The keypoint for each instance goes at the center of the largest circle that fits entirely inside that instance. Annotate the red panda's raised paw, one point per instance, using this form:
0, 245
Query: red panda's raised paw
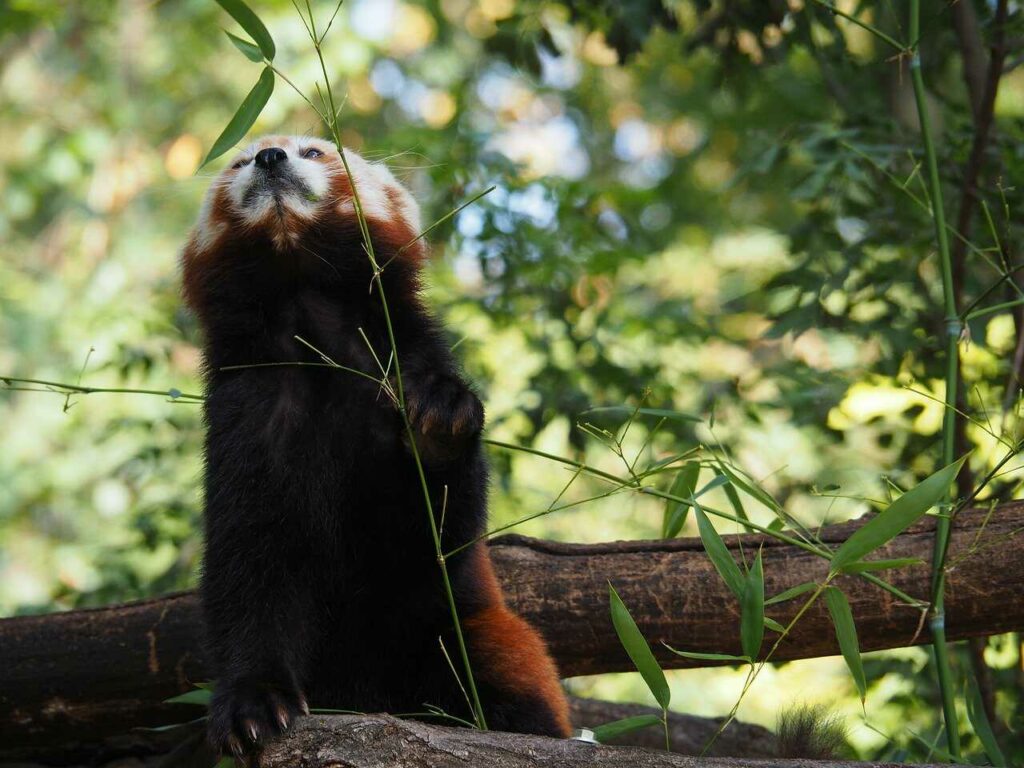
445, 415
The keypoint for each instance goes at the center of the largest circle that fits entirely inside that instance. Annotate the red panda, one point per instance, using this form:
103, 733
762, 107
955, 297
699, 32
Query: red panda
320, 584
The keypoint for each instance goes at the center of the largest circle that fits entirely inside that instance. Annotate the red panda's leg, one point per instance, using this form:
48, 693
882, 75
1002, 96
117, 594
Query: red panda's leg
518, 681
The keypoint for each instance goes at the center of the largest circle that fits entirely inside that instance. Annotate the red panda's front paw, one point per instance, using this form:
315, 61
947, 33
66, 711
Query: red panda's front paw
445, 414
246, 714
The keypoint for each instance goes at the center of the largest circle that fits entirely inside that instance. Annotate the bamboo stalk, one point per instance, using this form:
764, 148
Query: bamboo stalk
953, 325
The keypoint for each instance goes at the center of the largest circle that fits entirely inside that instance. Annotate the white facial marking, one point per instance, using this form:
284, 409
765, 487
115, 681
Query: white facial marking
382, 196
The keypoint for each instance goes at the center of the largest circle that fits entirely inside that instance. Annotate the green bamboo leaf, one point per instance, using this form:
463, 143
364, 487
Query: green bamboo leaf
720, 556
198, 696
608, 731
730, 493
792, 592
638, 650
865, 566
251, 51
675, 511
897, 517
752, 610
246, 115
982, 727
846, 634
706, 656
755, 492
251, 23
773, 625
715, 482
225, 762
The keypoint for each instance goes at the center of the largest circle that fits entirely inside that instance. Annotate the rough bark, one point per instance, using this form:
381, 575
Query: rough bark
379, 740
85, 674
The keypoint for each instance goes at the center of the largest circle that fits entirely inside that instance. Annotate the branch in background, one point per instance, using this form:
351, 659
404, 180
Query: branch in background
968, 35
983, 87
91, 673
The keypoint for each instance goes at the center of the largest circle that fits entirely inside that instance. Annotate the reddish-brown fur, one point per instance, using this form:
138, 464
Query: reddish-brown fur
506, 651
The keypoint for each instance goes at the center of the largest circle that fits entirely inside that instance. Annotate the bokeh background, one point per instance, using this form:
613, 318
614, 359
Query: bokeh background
712, 208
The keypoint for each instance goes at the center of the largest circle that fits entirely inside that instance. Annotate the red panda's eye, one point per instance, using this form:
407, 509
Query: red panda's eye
240, 164
311, 153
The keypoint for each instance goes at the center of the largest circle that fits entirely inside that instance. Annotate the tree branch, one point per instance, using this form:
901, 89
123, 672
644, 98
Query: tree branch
372, 741
90, 673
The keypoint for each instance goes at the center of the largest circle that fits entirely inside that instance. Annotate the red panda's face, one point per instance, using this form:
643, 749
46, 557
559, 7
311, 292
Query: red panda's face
293, 195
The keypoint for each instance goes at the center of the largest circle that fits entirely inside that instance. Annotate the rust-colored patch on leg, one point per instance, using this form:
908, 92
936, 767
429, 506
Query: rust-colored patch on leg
507, 652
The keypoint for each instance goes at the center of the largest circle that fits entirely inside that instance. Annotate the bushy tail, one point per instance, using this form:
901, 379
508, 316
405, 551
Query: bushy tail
810, 732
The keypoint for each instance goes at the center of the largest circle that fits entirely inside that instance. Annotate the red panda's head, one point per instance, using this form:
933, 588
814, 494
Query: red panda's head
285, 204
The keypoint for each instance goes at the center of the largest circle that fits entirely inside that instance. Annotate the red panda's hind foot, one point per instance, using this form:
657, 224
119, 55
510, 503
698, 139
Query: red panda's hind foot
246, 714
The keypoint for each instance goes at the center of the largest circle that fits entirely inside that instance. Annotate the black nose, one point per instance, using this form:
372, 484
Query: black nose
268, 158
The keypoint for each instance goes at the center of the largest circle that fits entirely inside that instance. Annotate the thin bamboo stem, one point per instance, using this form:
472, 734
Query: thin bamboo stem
953, 327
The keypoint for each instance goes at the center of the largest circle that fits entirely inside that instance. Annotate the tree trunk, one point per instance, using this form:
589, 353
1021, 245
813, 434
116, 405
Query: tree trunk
86, 674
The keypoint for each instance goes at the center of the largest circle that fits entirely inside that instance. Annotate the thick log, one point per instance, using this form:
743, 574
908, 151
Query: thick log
380, 740
85, 674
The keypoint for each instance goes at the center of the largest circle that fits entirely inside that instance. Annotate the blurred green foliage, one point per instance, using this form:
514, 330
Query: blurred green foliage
714, 208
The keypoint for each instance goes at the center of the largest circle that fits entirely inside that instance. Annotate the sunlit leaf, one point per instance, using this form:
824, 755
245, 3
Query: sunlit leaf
752, 610
720, 555
251, 23
246, 115
251, 51
846, 634
897, 517
675, 511
608, 731
638, 649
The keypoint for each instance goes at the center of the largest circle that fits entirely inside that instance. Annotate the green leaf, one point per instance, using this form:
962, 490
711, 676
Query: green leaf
251, 23
251, 51
706, 656
792, 592
225, 762
720, 555
752, 610
896, 518
846, 634
246, 115
608, 731
713, 483
638, 650
982, 727
198, 696
773, 625
732, 495
755, 492
675, 511
864, 566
